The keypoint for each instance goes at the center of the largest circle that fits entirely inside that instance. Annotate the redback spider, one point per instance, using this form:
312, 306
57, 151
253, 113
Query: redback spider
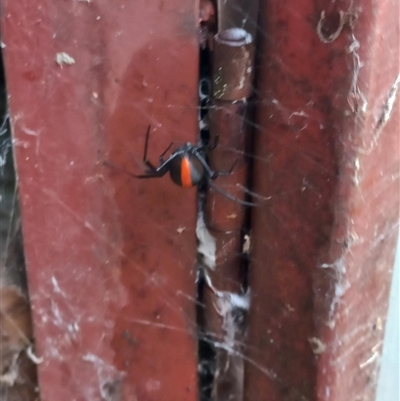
187, 166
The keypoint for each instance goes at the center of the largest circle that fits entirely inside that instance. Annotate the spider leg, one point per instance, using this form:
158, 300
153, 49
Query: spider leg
216, 142
210, 173
163, 153
146, 144
150, 165
165, 165
225, 173
255, 195
229, 196
214, 174
153, 173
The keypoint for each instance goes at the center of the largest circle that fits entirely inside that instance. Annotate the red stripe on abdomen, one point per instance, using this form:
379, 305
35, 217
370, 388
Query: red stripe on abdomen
186, 177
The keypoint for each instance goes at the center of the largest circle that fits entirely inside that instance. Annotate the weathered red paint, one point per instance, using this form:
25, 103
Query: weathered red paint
327, 157
110, 259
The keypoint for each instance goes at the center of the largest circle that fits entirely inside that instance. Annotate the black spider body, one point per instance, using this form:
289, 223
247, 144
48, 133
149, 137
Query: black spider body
187, 166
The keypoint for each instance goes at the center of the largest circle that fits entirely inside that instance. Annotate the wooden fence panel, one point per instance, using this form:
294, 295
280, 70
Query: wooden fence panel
327, 161
110, 259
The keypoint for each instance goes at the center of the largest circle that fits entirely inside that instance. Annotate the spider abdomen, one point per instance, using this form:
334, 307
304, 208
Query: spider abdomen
186, 170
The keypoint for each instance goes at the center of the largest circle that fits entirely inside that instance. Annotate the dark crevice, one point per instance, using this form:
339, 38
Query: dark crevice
16, 333
250, 151
206, 351
209, 357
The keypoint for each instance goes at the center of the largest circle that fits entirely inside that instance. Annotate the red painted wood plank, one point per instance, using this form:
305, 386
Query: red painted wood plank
328, 158
110, 259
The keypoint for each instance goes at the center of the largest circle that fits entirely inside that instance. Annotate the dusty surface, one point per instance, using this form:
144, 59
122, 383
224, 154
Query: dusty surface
112, 260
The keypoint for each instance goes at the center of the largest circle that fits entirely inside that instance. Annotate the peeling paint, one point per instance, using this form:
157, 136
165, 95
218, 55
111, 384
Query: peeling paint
370, 360
356, 98
333, 36
64, 59
109, 378
56, 287
33, 357
341, 283
386, 110
317, 345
